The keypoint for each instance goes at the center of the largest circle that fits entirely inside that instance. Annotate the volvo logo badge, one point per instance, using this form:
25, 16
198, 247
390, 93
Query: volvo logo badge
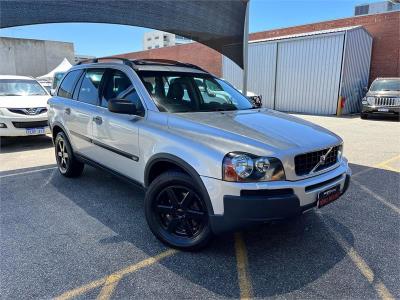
322, 160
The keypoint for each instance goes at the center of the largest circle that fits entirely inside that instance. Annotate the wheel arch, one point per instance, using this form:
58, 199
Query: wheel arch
176, 163
56, 128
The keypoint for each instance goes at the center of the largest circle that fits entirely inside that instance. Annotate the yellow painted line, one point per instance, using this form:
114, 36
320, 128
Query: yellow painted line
381, 165
384, 163
245, 286
376, 196
116, 276
389, 168
109, 287
361, 265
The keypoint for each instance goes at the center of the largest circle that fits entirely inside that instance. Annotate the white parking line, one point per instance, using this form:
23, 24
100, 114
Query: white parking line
27, 172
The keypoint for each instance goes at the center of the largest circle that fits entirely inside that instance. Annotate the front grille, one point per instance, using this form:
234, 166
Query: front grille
387, 101
34, 124
28, 111
305, 163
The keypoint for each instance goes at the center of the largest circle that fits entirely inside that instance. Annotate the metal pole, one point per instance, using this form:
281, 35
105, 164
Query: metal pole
245, 48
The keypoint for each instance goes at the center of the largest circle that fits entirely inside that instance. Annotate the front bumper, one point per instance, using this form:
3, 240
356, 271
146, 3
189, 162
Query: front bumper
237, 205
30, 122
367, 109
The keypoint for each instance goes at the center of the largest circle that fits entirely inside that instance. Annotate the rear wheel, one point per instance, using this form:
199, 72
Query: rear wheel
67, 163
176, 212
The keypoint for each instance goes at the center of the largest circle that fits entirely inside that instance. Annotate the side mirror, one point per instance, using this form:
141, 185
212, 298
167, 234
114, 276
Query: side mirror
122, 106
365, 89
256, 101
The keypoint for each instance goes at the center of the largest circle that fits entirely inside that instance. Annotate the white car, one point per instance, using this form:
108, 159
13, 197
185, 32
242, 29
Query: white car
23, 106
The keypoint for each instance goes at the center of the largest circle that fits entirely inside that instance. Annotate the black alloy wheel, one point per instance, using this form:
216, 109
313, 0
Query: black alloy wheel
176, 212
180, 211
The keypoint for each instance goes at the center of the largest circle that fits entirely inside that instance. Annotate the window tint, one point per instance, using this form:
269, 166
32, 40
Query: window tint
119, 86
186, 92
67, 85
89, 90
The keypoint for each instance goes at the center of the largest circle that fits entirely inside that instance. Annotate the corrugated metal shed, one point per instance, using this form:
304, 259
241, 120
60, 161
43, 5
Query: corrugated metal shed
308, 72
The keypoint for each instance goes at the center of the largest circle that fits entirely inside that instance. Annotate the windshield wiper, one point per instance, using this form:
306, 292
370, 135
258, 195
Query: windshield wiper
9, 95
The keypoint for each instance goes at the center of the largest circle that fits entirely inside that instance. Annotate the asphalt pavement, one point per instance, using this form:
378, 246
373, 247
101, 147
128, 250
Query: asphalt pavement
87, 237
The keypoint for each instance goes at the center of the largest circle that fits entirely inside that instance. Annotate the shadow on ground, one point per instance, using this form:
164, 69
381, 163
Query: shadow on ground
25, 143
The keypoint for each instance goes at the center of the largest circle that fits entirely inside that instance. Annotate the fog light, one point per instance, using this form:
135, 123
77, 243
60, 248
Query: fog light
365, 102
2, 125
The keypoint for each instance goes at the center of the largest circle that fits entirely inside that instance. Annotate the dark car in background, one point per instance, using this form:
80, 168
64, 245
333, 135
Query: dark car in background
383, 97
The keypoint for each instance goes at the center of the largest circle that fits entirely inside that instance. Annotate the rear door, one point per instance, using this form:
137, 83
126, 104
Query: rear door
116, 136
82, 111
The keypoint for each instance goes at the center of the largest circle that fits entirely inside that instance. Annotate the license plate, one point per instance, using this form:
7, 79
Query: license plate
328, 196
34, 131
383, 109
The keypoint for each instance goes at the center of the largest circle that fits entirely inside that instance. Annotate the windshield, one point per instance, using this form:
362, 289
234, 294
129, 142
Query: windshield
21, 87
385, 85
191, 92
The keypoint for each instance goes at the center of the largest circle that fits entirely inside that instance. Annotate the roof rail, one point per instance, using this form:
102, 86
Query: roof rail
147, 61
165, 62
125, 61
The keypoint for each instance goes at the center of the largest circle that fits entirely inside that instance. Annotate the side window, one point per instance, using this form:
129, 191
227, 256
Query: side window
67, 85
89, 89
119, 86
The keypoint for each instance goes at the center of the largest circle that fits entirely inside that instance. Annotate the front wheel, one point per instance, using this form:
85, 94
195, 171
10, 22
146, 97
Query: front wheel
364, 116
176, 212
67, 163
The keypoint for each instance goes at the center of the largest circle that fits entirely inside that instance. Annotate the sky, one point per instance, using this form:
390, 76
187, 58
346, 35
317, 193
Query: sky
106, 39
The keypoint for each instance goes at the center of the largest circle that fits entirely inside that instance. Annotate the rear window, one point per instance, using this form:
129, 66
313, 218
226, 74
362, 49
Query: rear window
68, 84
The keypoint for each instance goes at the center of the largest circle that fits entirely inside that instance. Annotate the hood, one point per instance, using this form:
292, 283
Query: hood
262, 129
383, 94
23, 101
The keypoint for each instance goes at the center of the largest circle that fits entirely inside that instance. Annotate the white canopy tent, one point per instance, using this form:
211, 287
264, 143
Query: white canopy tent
64, 66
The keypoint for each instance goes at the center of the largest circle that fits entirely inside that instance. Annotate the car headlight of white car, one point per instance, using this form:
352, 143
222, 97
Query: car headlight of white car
245, 167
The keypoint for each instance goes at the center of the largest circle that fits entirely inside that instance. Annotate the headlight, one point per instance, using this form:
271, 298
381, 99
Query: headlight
340, 153
371, 100
246, 167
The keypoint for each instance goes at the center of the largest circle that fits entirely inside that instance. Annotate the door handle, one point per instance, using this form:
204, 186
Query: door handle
67, 111
98, 120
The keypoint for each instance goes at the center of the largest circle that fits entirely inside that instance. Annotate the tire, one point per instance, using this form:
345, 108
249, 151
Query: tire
67, 163
176, 211
364, 116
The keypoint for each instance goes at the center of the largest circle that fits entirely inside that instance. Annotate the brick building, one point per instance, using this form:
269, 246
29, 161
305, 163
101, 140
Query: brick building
384, 28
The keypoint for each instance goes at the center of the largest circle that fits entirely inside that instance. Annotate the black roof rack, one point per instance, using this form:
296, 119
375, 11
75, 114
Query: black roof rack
125, 61
167, 62
148, 61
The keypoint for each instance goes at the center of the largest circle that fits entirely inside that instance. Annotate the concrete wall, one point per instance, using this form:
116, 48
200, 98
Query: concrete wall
32, 57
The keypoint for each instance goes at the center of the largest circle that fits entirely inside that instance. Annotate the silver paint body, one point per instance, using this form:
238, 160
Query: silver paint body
201, 139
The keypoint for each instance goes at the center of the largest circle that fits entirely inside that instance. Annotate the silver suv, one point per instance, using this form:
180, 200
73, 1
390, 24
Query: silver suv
208, 160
